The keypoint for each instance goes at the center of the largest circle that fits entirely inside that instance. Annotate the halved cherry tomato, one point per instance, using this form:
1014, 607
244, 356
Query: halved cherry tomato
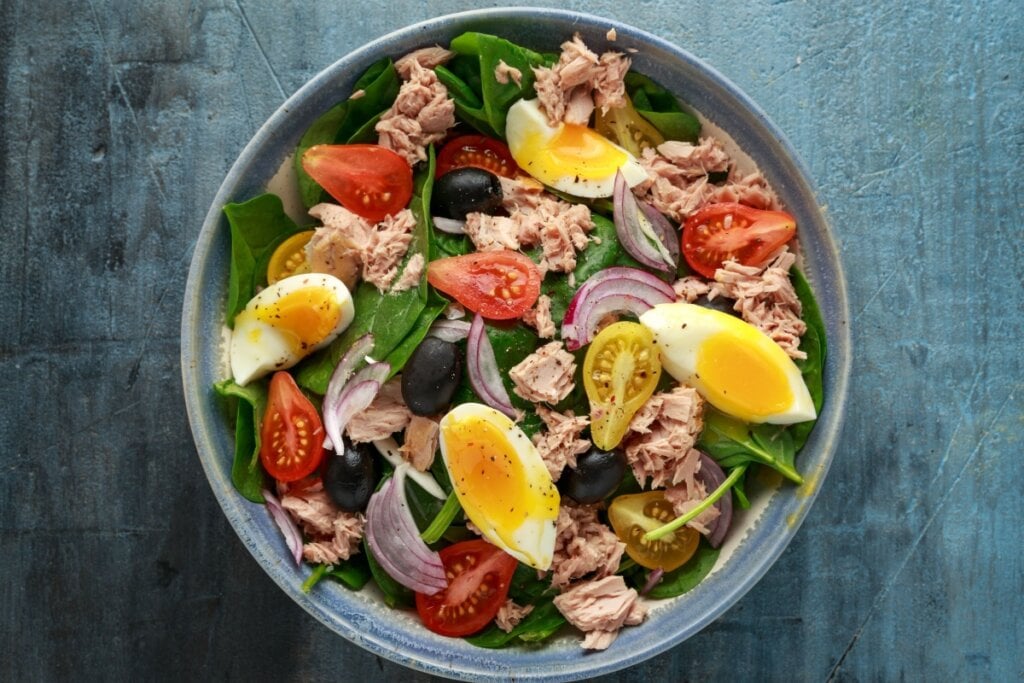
292, 435
477, 151
720, 232
620, 371
479, 575
289, 258
499, 285
634, 515
625, 126
368, 180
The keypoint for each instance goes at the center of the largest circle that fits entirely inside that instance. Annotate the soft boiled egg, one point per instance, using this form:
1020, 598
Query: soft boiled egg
736, 367
286, 322
567, 157
501, 482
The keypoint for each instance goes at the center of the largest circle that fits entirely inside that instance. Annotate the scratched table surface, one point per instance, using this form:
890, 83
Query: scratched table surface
120, 120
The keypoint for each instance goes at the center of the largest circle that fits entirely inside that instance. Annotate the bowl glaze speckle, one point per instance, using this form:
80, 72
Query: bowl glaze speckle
762, 534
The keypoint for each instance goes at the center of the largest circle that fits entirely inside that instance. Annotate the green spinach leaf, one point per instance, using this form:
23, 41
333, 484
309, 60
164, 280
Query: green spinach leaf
732, 442
246, 472
538, 625
814, 345
596, 257
679, 581
353, 573
661, 108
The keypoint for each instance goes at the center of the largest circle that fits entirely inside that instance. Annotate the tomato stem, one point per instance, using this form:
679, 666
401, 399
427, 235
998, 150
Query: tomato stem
678, 522
451, 507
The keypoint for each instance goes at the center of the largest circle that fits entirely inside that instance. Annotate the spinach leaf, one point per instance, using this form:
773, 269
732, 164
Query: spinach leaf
679, 581
423, 506
257, 227
596, 257
732, 442
353, 573
347, 121
468, 106
661, 108
525, 588
401, 353
538, 625
511, 344
390, 317
246, 472
814, 345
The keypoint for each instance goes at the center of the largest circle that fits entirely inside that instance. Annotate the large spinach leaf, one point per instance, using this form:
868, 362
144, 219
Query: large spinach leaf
257, 226
353, 573
538, 625
814, 345
349, 121
679, 581
732, 442
661, 108
246, 473
401, 353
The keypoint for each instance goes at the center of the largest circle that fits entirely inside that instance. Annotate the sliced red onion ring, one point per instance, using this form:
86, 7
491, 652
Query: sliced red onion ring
395, 541
355, 396
653, 580
668, 235
450, 225
288, 527
712, 476
388, 448
615, 290
484, 376
638, 236
449, 330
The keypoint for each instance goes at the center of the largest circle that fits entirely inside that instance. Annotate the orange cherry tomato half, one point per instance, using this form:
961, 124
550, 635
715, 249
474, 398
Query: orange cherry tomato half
369, 180
499, 285
289, 258
479, 575
634, 515
478, 151
292, 435
717, 233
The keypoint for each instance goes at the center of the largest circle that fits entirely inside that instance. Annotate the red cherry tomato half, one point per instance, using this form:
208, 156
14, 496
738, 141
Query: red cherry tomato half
292, 435
369, 180
477, 151
479, 575
717, 233
499, 285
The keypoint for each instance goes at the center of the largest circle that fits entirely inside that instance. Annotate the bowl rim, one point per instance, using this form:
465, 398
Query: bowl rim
440, 661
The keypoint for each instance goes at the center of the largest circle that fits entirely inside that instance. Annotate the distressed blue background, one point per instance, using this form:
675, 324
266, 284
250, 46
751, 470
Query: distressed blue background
119, 121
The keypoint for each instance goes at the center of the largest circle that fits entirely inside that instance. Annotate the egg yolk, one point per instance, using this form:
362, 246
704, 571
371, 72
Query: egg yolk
492, 484
306, 316
575, 151
741, 379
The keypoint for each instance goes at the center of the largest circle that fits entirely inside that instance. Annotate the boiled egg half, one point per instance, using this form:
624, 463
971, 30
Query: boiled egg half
567, 157
736, 367
286, 322
501, 482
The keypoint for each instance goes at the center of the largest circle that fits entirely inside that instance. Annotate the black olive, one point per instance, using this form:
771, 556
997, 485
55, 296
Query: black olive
597, 474
351, 476
466, 190
431, 376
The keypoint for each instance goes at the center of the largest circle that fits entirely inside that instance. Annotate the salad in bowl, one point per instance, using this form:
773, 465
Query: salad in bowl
517, 344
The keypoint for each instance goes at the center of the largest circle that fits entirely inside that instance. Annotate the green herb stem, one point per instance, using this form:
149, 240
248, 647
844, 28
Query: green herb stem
704, 505
314, 578
444, 519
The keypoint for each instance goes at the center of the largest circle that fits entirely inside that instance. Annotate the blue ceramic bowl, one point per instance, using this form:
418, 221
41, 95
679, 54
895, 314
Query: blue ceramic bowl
760, 535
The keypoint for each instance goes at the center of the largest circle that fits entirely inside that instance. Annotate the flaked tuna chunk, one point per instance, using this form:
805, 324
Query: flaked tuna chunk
600, 608
684, 497
389, 241
692, 161
420, 444
579, 81
522, 192
751, 189
545, 375
421, 114
539, 317
563, 234
411, 275
427, 58
583, 546
560, 442
610, 81
765, 298
503, 73
659, 443
690, 288
333, 535
510, 614
386, 415
492, 233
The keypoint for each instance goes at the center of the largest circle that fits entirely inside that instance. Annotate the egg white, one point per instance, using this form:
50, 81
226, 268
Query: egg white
680, 330
528, 132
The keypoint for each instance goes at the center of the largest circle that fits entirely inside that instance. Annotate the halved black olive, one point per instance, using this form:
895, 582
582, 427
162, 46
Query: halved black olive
431, 376
351, 476
596, 475
466, 190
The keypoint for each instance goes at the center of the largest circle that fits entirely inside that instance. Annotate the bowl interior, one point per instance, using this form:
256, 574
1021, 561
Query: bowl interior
761, 534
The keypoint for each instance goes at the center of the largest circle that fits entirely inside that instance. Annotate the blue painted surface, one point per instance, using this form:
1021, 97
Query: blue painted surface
121, 120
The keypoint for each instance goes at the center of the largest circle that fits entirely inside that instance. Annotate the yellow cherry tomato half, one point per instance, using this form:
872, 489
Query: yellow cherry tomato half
289, 258
634, 515
628, 128
620, 371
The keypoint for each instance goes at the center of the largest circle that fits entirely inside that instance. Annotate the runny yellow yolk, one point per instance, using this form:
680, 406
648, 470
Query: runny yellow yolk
306, 316
493, 486
574, 151
741, 379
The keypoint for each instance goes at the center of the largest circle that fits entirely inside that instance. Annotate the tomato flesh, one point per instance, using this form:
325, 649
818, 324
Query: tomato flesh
500, 285
620, 372
369, 180
625, 126
292, 435
289, 258
478, 151
727, 231
479, 575
634, 515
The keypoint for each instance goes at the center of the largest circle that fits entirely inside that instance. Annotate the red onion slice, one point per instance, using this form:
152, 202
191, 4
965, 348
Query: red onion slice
653, 580
450, 225
638, 236
343, 370
712, 476
395, 541
615, 290
484, 376
356, 395
288, 527
449, 330
668, 235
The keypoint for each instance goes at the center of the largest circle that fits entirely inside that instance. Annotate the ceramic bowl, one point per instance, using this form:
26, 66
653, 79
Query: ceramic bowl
759, 535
